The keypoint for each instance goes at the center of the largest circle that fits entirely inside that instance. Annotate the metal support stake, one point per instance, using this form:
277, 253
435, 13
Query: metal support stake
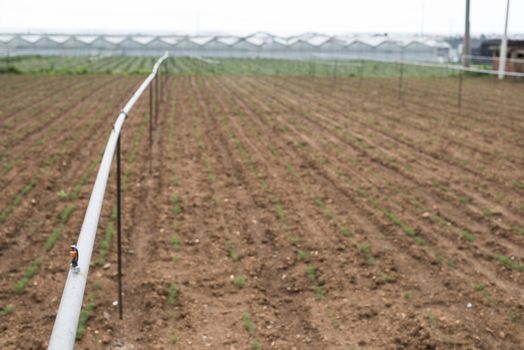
150, 128
400, 78
461, 77
361, 72
157, 95
119, 227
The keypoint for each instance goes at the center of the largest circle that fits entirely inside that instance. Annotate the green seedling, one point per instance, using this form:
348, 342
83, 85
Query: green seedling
86, 312
388, 279
231, 250
249, 326
28, 274
302, 255
408, 295
66, 213
106, 241
175, 242
6, 310
346, 231
468, 236
172, 294
62, 195
176, 204
311, 273
240, 281
508, 263
362, 192
55, 235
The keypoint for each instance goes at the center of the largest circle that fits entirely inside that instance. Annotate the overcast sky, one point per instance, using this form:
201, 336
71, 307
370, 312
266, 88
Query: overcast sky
241, 17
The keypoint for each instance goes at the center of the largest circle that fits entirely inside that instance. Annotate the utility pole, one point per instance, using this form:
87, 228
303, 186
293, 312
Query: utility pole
504, 47
466, 49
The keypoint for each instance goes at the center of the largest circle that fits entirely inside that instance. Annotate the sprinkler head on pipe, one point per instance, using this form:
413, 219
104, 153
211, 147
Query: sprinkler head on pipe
74, 258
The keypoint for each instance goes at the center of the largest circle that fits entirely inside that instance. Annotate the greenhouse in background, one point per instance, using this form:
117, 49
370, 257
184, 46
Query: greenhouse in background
262, 45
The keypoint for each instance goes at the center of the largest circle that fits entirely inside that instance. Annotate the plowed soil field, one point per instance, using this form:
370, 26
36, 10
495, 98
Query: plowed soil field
270, 212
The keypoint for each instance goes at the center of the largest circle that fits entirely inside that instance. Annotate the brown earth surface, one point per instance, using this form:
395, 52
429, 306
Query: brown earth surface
270, 212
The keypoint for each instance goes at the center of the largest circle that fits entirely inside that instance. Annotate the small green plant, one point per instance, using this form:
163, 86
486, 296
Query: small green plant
508, 263
240, 281
6, 310
468, 236
254, 344
319, 293
302, 255
408, 295
86, 312
176, 204
311, 273
172, 294
362, 192
364, 250
479, 287
392, 217
175, 242
55, 235
66, 213
106, 241
62, 195
464, 200
231, 250
346, 232
28, 274
388, 278
431, 318
249, 326
294, 240
173, 339
279, 209
514, 317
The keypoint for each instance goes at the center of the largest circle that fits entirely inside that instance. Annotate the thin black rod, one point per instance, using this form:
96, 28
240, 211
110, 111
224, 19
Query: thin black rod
119, 228
150, 127
400, 79
461, 77
157, 95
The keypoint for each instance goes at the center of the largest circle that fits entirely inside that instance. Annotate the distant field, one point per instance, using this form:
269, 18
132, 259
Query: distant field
214, 66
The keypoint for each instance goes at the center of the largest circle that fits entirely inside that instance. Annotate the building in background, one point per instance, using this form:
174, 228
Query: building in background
515, 55
262, 45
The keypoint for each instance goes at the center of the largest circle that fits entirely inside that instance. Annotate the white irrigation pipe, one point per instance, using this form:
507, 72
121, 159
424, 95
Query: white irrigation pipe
66, 322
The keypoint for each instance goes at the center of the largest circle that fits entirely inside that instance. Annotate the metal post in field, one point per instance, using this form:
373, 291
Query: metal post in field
466, 52
504, 47
400, 79
461, 78
361, 72
157, 95
119, 227
151, 127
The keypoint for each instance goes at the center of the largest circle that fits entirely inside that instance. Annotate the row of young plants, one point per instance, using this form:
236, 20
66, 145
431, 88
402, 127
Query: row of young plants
63, 219
364, 249
279, 210
395, 220
414, 122
408, 231
51, 133
239, 279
